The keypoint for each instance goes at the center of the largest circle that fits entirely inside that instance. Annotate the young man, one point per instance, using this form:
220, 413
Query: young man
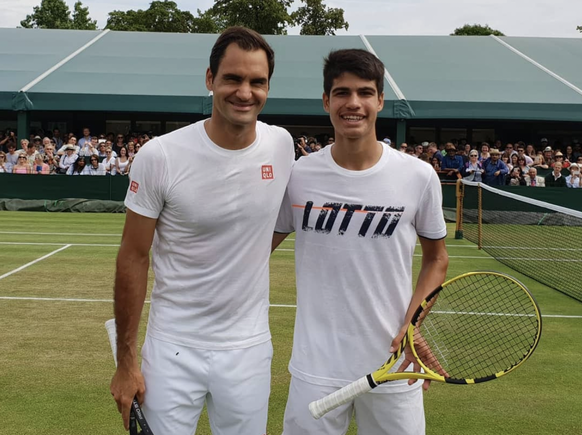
207, 195
357, 207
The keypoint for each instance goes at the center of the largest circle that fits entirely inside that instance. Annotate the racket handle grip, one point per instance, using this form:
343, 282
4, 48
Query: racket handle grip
344, 395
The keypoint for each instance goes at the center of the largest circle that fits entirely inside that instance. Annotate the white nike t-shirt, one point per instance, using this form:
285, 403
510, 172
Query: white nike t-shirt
216, 210
355, 237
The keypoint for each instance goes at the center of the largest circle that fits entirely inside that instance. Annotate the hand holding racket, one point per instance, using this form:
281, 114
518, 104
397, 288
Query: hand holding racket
474, 328
135, 414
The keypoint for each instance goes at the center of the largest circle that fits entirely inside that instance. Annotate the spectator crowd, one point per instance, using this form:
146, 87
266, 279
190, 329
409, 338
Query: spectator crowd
104, 154
518, 164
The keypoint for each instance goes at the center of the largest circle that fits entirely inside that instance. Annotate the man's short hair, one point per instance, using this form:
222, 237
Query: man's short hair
356, 61
247, 40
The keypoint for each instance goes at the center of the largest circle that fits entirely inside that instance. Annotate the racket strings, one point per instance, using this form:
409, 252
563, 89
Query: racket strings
476, 326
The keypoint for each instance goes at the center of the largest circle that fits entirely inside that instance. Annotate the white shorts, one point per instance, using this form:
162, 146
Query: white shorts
376, 414
235, 384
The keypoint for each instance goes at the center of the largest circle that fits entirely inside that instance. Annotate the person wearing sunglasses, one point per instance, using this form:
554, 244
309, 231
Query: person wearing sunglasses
22, 167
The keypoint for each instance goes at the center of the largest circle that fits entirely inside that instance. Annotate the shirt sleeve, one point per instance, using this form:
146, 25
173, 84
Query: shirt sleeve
429, 220
285, 219
148, 181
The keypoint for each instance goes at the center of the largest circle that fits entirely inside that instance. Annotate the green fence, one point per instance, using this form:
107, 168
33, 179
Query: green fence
60, 187
54, 187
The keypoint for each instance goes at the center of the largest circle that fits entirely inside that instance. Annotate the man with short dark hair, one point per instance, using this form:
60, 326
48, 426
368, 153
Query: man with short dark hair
86, 138
357, 208
207, 196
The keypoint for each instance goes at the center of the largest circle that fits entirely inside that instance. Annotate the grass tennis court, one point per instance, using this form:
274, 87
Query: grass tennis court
56, 364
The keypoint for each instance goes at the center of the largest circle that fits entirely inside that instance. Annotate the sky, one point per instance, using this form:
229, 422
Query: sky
556, 18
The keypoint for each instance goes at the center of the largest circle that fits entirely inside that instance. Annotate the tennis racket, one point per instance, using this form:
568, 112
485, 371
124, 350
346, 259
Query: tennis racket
474, 328
135, 414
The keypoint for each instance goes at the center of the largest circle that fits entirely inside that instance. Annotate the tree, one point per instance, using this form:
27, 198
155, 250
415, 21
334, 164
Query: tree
579, 28
81, 19
267, 17
162, 16
317, 19
476, 30
55, 14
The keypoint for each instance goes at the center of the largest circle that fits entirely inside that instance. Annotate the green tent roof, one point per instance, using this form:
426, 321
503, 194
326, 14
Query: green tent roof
426, 76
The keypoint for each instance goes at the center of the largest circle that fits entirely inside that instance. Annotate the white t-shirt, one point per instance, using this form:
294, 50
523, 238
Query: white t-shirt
216, 212
355, 237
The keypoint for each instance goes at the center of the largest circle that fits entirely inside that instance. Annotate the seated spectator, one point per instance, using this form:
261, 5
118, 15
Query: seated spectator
433, 151
130, 149
403, 147
484, 155
68, 159
109, 162
530, 151
72, 141
574, 180
569, 154
22, 167
521, 153
410, 151
40, 167
495, 169
77, 167
509, 160
473, 169
451, 162
549, 156
515, 177
89, 147
86, 137
559, 158
119, 144
122, 162
11, 156
533, 180
555, 178
540, 161
436, 163
94, 168
3, 169
419, 149
137, 147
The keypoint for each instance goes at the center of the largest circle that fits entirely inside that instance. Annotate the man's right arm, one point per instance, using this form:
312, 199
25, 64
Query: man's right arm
129, 296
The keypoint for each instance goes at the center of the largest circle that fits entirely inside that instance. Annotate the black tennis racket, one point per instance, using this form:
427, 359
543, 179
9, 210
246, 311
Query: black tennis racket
474, 328
136, 414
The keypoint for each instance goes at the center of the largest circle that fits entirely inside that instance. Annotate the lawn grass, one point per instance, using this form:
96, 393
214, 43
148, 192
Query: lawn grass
56, 364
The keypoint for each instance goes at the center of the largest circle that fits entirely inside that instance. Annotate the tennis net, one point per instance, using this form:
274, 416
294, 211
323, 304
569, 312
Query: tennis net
538, 239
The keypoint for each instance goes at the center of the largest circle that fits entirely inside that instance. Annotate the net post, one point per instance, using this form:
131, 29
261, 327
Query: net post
460, 194
479, 216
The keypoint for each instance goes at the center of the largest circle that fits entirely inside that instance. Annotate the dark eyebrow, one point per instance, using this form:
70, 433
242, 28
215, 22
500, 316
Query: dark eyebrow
232, 77
363, 89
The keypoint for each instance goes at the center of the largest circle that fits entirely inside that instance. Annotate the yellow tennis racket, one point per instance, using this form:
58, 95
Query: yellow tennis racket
474, 328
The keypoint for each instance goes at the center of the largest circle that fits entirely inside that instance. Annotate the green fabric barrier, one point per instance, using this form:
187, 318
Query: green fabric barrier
53, 187
66, 205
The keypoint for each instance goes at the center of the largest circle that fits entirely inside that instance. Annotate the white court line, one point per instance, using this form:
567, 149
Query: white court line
33, 262
18, 298
58, 234
58, 244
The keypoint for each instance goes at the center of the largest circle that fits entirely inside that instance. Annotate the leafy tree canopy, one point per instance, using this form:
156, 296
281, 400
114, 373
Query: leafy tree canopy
476, 30
55, 14
317, 19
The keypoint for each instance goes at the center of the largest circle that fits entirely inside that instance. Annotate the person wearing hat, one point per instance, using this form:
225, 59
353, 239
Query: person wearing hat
549, 156
559, 158
495, 169
68, 159
555, 178
574, 180
451, 162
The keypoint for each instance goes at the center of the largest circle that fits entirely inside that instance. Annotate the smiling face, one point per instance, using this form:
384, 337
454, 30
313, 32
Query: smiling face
353, 105
240, 86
